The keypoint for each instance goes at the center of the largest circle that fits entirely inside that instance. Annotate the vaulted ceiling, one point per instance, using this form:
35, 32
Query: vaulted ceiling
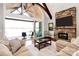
36, 9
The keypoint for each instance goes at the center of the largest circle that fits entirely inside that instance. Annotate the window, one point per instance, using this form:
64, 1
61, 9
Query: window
15, 28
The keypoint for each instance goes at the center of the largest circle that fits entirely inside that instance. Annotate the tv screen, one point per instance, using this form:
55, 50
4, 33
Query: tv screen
65, 21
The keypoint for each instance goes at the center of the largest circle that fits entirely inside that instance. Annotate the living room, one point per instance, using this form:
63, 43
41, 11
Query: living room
57, 24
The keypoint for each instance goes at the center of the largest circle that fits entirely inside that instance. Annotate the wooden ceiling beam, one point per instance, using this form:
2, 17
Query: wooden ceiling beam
46, 9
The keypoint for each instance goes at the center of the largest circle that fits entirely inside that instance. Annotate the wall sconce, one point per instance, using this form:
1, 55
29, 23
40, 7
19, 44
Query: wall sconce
50, 26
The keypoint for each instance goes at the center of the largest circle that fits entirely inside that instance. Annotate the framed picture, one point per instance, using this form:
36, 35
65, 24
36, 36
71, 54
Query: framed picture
50, 26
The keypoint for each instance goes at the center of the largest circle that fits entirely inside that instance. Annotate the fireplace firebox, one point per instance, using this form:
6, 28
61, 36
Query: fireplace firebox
62, 35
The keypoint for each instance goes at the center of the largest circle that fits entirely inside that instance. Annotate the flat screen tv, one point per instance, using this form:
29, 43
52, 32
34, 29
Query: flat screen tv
65, 21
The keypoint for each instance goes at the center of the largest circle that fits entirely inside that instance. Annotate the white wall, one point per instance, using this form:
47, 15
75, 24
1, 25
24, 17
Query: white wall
1, 19
56, 7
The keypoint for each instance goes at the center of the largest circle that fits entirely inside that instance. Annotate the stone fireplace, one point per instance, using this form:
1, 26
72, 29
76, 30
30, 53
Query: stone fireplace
66, 32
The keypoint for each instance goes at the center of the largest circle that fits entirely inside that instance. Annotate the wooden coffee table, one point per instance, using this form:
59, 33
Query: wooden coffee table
42, 42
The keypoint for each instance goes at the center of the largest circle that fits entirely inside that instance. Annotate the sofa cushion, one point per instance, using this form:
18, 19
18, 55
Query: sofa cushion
23, 41
61, 53
60, 44
76, 53
73, 46
15, 45
4, 51
5, 42
26, 53
23, 51
69, 50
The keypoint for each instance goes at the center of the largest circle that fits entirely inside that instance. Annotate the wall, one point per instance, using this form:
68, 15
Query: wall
1, 20
56, 7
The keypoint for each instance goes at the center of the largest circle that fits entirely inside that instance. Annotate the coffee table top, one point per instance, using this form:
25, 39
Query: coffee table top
40, 40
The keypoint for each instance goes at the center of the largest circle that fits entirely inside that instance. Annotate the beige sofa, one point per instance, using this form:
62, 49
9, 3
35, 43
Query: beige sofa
68, 48
14, 47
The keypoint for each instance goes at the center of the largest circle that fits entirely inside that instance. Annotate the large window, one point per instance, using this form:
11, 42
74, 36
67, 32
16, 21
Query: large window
15, 28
